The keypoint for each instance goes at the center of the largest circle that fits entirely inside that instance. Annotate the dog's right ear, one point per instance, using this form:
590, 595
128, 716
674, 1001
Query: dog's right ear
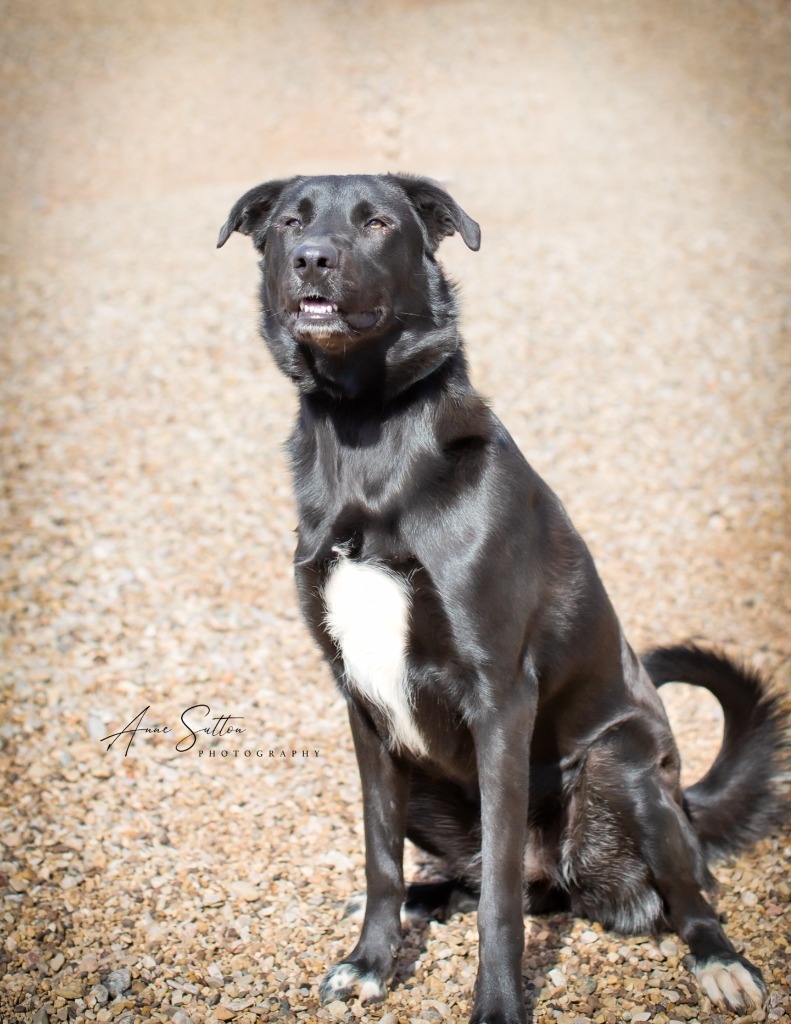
250, 212
441, 214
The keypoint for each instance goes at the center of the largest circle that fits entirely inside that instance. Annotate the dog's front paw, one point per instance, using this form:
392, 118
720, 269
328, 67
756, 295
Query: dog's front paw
345, 980
733, 984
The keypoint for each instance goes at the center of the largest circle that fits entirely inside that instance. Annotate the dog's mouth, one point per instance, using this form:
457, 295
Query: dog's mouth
316, 316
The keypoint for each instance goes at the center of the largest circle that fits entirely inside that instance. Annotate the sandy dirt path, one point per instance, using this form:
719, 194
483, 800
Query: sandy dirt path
627, 316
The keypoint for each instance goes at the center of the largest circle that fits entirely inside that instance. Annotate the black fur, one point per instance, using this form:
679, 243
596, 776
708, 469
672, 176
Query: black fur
550, 776
735, 801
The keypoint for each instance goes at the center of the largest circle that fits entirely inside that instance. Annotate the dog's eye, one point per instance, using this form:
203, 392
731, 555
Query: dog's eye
375, 222
292, 222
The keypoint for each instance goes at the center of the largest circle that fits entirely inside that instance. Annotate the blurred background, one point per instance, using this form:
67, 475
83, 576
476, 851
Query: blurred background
626, 316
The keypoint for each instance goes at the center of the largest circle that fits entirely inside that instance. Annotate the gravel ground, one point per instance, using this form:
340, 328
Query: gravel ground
629, 166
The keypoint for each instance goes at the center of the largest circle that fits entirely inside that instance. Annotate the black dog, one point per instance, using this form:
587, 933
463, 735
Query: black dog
500, 719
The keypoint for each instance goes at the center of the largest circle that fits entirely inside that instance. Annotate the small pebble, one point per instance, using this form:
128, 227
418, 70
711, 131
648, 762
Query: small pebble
100, 993
117, 982
72, 990
556, 978
95, 726
246, 891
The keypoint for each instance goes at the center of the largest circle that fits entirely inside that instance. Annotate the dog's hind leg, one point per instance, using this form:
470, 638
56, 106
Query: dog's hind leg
367, 969
666, 842
444, 819
669, 847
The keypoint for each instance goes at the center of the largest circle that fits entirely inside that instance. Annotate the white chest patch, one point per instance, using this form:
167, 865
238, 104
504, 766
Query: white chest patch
368, 618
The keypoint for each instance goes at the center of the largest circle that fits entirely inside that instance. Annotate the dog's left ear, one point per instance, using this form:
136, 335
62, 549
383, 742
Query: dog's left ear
251, 211
441, 214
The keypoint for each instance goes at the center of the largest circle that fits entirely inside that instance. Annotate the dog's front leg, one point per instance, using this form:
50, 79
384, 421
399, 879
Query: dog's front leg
385, 785
502, 743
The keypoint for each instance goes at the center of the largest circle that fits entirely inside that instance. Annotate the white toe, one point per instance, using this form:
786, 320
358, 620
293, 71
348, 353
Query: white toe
729, 984
345, 980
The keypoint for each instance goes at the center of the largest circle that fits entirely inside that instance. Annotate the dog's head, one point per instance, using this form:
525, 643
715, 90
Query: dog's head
348, 266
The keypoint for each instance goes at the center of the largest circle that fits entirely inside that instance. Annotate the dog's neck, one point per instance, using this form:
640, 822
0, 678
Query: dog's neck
381, 371
377, 371
381, 392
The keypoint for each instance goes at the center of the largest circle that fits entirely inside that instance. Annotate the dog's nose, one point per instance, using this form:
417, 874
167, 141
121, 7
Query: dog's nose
314, 260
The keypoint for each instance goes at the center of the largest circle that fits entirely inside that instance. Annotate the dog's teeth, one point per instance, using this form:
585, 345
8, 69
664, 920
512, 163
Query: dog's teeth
317, 307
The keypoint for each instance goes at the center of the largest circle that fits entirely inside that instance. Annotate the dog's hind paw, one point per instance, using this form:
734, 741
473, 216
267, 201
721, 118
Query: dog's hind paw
733, 984
345, 980
355, 911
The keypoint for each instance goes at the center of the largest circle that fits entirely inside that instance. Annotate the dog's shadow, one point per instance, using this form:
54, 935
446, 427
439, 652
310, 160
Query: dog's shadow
546, 934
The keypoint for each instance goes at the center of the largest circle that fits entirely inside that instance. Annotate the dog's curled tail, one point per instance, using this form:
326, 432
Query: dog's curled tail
735, 801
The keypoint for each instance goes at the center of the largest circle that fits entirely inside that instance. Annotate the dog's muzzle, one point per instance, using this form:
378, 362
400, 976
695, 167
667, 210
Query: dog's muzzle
317, 317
